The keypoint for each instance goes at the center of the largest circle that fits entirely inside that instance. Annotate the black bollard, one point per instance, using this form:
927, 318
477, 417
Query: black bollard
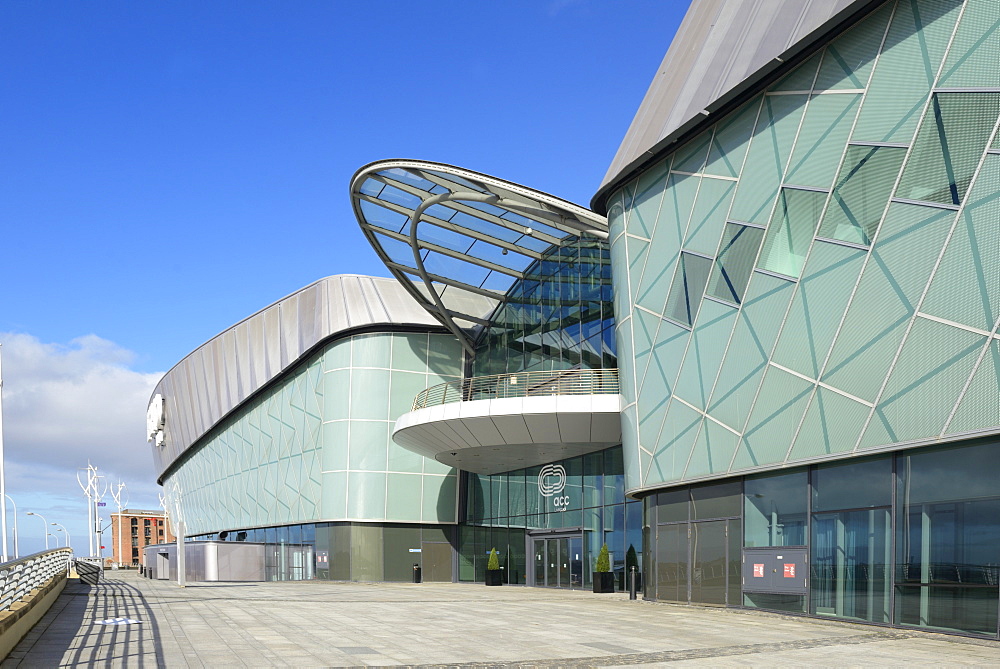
631, 587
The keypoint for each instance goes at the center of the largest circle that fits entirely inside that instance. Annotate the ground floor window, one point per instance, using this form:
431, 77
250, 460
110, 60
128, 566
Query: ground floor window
906, 539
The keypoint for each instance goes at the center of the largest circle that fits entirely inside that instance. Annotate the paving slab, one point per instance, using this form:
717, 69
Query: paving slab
321, 623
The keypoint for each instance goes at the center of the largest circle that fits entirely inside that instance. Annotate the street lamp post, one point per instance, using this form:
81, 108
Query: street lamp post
17, 552
64, 530
44, 522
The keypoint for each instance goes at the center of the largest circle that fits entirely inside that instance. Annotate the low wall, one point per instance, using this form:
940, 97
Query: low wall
16, 622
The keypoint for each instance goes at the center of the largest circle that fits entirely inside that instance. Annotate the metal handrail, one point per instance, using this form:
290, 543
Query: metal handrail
18, 578
521, 384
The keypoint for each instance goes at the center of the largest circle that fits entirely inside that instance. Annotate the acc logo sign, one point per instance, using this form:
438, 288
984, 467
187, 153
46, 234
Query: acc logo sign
552, 481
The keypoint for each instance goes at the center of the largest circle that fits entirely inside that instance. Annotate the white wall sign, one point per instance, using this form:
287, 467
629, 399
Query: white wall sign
552, 482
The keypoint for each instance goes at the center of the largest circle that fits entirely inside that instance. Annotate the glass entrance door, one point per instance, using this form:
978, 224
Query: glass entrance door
559, 561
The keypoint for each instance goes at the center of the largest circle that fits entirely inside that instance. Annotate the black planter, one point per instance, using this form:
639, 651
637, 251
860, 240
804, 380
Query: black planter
494, 577
604, 581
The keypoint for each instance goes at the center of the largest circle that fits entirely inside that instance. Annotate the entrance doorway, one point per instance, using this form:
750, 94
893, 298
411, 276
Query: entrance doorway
558, 561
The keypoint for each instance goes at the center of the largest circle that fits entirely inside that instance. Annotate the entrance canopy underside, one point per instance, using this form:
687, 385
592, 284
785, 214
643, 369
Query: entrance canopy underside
458, 240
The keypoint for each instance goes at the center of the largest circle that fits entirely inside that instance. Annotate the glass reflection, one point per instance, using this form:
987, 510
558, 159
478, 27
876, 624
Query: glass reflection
775, 510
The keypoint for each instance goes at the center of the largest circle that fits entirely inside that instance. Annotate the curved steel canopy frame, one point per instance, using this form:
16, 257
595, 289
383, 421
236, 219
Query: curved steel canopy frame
471, 216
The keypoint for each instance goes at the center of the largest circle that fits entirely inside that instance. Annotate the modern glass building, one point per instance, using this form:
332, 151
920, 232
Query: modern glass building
769, 378
805, 261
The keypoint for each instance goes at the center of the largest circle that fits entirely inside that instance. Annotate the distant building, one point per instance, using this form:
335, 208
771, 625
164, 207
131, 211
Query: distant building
134, 528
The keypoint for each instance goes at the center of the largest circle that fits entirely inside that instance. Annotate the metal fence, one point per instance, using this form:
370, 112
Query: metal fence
19, 577
521, 384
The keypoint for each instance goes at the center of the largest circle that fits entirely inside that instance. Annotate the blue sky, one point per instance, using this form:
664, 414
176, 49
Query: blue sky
170, 168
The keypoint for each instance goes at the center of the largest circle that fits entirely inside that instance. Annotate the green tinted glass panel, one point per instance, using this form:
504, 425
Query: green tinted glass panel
735, 262
801, 78
687, 288
648, 196
780, 404
712, 452
678, 201
821, 140
658, 379
691, 157
769, 151
832, 425
818, 307
709, 215
732, 136
680, 429
966, 286
847, 61
746, 357
980, 406
926, 380
955, 131
886, 299
704, 354
791, 231
861, 193
906, 68
975, 51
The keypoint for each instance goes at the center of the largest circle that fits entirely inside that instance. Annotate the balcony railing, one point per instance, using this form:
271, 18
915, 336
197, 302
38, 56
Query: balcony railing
521, 384
20, 577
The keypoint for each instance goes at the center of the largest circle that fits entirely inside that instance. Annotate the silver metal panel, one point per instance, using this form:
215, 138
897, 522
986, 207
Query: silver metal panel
721, 48
220, 375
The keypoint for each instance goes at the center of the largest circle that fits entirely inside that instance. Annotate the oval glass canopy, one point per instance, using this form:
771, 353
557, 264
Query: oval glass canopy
458, 240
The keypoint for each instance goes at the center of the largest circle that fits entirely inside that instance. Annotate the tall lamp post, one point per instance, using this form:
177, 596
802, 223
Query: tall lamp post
3, 481
17, 550
64, 530
45, 523
120, 490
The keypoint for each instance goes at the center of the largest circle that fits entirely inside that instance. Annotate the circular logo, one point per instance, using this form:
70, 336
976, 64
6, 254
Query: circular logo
551, 480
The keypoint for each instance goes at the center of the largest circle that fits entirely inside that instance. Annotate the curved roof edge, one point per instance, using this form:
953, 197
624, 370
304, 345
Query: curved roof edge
456, 239
722, 53
221, 374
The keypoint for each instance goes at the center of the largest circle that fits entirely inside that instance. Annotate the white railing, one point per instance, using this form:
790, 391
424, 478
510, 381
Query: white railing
19, 577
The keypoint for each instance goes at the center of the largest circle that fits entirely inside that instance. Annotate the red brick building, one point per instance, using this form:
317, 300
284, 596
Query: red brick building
134, 528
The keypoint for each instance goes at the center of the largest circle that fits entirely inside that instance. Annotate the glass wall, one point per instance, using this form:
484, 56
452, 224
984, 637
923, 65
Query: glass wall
504, 511
558, 317
851, 540
317, 445
948, 539
906, 539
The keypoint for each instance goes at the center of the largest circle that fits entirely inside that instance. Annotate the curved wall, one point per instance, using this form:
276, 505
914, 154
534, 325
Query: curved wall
316, 445
816, 275
225, 371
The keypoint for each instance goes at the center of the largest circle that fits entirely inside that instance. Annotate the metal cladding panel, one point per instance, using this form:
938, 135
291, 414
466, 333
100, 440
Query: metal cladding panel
720, 46
220, 375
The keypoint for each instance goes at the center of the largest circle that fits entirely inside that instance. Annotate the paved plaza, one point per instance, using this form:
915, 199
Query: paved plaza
312, 624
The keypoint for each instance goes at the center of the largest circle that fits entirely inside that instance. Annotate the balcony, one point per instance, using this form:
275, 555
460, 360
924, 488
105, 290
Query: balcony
490, 424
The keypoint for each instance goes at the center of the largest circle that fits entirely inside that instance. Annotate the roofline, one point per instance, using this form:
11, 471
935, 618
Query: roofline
775, 68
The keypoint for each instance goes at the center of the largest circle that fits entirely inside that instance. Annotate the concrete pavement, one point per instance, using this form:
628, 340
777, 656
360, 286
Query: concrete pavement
311, 624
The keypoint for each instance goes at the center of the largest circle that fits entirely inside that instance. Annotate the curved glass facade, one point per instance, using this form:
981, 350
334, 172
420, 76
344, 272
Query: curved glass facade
815, 275
560, 316
317, 445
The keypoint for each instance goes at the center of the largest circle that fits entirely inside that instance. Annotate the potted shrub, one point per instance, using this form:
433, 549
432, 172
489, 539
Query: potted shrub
604, 580
494, 576
631, 560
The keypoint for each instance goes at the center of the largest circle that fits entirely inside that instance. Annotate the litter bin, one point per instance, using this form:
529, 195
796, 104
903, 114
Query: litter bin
416, 573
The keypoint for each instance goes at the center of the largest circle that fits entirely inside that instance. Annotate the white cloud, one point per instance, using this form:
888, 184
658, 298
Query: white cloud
65, 405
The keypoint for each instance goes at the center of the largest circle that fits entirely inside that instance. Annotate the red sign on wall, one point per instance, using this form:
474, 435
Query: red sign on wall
790, 570
758, 571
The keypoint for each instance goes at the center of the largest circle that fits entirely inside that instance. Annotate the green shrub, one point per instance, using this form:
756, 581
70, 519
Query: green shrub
603, 560
493, 564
